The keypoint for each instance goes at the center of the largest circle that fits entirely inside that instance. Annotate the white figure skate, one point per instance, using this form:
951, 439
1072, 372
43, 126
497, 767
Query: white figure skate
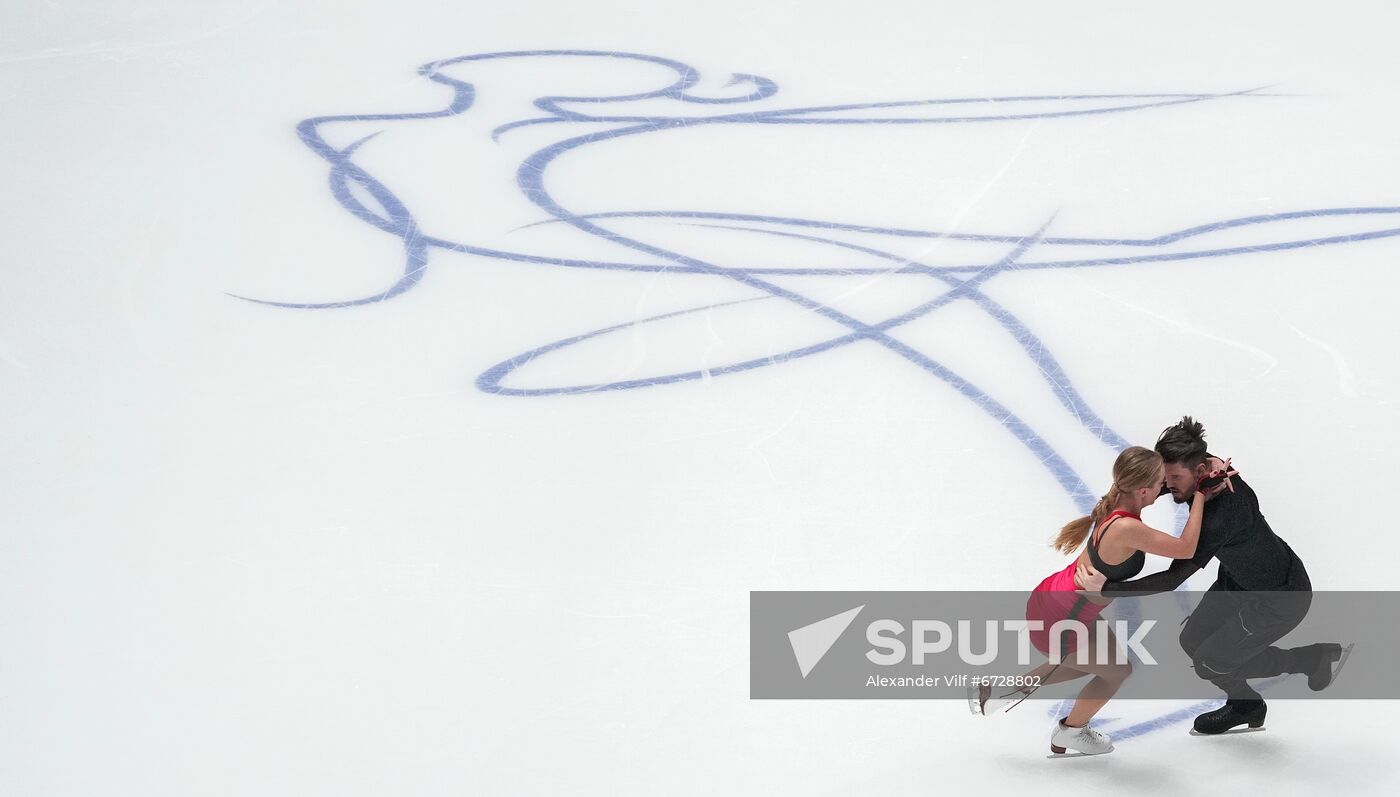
985, 701
1083, 741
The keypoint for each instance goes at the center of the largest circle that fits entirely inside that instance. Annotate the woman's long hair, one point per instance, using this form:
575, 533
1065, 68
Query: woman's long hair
1135, 467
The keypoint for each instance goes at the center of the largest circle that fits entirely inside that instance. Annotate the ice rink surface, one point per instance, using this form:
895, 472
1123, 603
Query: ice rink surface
404, 398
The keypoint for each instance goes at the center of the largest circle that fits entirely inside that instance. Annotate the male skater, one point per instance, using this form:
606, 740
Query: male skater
1230, 635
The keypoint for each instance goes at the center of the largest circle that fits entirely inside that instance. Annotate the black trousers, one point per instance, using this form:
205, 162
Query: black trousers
1230, 635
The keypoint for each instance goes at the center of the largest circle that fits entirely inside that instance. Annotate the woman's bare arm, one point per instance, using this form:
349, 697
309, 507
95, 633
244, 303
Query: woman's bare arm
1142, 537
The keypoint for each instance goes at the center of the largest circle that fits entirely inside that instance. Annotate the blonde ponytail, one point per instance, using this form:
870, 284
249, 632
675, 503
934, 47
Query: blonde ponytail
1135, 467
1073, 533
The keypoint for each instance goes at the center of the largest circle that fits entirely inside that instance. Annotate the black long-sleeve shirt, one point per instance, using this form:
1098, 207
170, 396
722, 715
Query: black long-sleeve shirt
1233, 530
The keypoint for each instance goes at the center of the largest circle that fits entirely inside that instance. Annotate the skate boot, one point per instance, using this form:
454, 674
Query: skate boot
1324, 662
1084, 741
984, 700
1230, 715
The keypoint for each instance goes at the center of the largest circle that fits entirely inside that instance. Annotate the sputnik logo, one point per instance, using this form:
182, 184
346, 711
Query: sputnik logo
811, 642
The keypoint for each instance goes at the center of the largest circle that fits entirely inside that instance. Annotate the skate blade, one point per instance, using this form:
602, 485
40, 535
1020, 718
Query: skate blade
975, 704
1337, 670
1077, 754
1195, 732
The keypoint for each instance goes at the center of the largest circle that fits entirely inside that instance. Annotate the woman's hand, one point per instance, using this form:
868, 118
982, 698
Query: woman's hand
1217, 479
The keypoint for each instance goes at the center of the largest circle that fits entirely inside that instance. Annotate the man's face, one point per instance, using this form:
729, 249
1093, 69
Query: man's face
1181, 480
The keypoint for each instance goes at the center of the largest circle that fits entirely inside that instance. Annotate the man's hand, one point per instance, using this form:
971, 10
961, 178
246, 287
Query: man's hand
1087, 578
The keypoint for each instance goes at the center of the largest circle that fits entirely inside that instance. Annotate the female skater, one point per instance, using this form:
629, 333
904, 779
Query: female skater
1138, 476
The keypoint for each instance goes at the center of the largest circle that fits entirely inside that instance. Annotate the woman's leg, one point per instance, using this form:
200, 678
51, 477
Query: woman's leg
1052, 674
1108, 676
1008, 697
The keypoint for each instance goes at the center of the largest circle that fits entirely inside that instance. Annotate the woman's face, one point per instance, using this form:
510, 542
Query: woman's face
1148, 496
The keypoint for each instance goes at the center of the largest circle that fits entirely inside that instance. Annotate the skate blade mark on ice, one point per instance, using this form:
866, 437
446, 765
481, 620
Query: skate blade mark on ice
391, 215
677, 102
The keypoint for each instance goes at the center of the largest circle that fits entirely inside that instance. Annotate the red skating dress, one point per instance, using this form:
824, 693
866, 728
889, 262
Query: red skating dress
1056, 598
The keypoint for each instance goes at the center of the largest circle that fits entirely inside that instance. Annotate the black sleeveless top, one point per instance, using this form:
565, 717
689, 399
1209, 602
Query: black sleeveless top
1125, 569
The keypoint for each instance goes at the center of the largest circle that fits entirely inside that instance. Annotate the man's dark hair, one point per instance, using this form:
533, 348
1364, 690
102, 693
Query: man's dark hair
1183, 444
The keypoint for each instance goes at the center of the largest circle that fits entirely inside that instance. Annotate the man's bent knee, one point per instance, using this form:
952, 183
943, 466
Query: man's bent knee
1189, 642
1211, 669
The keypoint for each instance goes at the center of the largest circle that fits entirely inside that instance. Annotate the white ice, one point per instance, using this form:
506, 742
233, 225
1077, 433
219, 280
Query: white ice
250, 549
